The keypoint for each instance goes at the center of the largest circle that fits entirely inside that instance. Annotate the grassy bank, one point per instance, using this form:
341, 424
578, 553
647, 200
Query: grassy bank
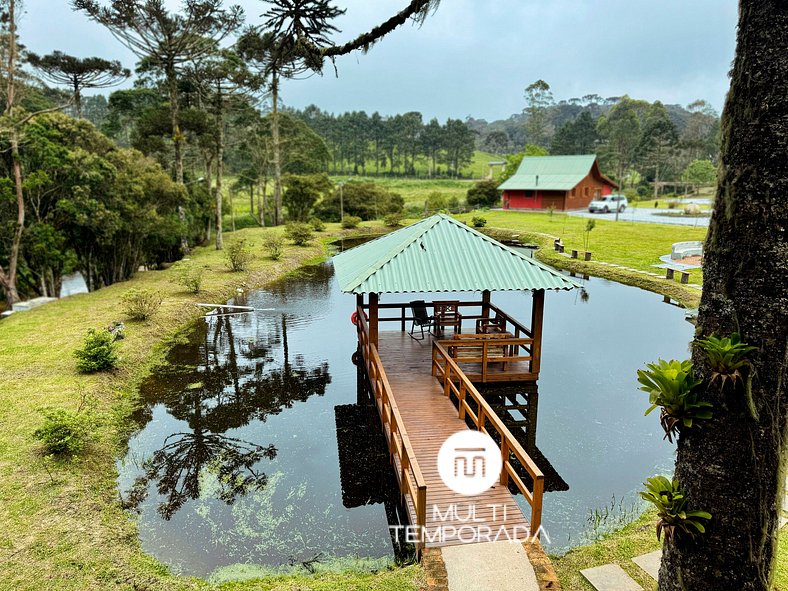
61, 523
629, 244
622, 546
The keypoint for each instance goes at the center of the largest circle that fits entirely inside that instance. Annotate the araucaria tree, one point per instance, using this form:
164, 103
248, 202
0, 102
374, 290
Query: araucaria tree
166, 41
78, 73
734, 466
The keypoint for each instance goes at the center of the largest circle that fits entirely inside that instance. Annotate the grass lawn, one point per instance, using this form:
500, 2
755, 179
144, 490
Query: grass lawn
629, 244
633, 540
61, 523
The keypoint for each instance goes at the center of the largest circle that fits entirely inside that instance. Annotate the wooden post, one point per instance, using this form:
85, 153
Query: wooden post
486, 303
537, 314
373, 319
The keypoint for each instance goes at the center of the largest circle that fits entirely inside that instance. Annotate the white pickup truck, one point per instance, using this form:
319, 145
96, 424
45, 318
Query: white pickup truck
609, 203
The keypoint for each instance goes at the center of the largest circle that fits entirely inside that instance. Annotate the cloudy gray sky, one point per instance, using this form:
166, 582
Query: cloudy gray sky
475, 57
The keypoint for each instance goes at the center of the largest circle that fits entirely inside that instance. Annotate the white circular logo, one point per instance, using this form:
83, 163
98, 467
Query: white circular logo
469, 462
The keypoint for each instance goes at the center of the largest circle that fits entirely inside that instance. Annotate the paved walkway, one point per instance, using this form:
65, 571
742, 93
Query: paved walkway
647, 215
491, 566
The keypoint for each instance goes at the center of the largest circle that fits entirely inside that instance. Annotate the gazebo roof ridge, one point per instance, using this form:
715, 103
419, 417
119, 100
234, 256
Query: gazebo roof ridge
441, 254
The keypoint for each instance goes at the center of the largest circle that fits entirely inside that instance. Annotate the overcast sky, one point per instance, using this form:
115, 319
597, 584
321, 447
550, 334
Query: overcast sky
475, 57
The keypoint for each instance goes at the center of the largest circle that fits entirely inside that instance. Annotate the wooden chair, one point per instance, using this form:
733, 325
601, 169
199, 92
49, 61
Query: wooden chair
491, 325
447, 313
421, 318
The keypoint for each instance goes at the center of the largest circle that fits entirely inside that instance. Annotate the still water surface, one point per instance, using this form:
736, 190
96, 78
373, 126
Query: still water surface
256, 447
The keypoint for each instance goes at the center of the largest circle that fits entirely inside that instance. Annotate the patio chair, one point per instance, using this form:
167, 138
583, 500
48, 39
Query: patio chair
421, 318
448, 314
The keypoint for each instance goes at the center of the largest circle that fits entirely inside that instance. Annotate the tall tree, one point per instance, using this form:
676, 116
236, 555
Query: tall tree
165, 41
658, 139
224, 80
621, 129
578, 136
79, 73
12, 125
734, 466
539, 99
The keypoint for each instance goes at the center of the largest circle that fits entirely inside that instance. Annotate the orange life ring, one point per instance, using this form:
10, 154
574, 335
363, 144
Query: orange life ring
354, 317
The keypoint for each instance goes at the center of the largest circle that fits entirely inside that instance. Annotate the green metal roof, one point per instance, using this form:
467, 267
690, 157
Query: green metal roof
550, 173
441, 254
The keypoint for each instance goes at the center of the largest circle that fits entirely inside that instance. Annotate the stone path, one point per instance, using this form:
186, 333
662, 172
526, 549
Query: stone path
611, 577
638, 271
490, 566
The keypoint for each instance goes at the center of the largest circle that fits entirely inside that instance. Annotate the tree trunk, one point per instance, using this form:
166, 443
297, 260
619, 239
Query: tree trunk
219, 171
177, 139
9, 279
734, 465
277, 161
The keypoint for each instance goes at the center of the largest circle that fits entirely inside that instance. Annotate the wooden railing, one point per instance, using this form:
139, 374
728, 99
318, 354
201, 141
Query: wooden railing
457, 384
500, 349
411, 481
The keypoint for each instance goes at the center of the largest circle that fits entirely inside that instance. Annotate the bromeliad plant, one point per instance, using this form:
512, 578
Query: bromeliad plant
671, 503
726, 356
671, 386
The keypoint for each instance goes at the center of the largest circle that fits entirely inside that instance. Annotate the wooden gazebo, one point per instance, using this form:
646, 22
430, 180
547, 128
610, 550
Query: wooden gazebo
426, 388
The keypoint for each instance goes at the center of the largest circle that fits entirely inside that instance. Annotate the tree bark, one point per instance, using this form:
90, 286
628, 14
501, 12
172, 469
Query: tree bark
277, 157
734, 465
177, 139
219, 165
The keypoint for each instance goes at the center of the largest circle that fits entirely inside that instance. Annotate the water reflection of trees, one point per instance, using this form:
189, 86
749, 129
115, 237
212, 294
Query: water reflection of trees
234, 371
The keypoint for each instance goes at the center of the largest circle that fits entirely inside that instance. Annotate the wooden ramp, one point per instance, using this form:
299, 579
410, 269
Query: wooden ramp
429, 417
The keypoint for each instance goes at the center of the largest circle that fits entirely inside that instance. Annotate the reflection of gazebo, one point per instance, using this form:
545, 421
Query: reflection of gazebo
442, 255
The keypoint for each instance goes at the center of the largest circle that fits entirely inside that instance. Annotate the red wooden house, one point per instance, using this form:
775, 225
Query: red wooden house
563, 182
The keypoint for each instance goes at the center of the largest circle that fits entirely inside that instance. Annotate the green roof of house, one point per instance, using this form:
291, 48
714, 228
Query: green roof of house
440, 254
550, 173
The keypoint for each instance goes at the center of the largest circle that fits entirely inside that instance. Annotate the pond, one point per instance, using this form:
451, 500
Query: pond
257, 446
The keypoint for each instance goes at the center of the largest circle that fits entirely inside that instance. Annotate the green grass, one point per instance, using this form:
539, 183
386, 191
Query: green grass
61, 523
630, 244
621, 546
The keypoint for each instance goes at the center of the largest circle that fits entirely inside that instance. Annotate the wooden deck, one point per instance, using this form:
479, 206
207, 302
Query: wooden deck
428, 418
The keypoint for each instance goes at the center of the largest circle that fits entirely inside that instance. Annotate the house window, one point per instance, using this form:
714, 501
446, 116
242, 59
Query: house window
597, 193
529, 193
573, 192
586, 191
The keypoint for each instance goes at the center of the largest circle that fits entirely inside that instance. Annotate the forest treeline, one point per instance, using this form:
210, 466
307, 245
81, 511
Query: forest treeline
105, 183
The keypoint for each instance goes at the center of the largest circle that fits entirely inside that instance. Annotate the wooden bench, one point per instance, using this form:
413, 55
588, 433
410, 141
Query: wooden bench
475, 352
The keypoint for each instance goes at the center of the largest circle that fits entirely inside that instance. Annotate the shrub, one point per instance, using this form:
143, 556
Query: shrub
238, 255
393, 220
99, 351
141, 304
673, 204
351, 221
484, 194
435, 202
300, 234
453, 204
317, 224
671, 385
671, 502
66, 432
359, 198
478, 222
188, 275
274, 244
